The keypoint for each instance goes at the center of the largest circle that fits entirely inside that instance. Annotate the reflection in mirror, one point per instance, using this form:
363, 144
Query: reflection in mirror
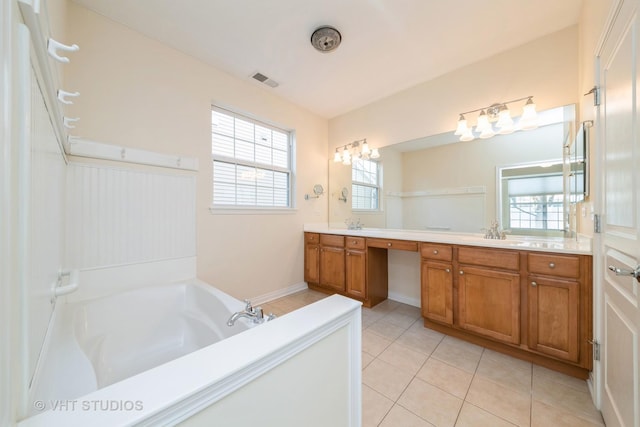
437, 183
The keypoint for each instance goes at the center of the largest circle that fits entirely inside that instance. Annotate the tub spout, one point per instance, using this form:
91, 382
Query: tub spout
255, 314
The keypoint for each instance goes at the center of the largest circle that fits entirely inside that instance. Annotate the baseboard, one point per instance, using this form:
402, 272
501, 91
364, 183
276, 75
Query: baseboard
404, 299
270, 296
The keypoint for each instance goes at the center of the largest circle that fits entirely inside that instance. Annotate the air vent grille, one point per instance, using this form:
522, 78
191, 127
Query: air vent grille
264, 79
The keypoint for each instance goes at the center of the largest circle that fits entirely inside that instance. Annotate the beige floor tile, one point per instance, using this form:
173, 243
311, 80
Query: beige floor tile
543, 415
366, 359
403, 358
459, 354
400, 319
374, 407
430, 403
506, 371
408, 310
566, 398
369, 317
472, 416
542, 374
400, 417
386, 330
374, 344
503, 402
386, 306
447, 377
415, 340
386, 379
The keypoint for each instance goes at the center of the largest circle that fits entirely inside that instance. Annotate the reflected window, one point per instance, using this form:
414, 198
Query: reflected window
535, 199
365, 185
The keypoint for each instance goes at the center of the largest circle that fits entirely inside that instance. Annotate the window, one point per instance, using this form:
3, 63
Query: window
536, 202
252, 166
365, 187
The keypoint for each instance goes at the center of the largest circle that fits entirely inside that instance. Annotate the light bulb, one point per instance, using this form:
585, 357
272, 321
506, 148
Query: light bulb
462, 126
365, 148
487, 132
346, 157
529, 119
483, 122
336, 157
467, 136
374, 153
505, 122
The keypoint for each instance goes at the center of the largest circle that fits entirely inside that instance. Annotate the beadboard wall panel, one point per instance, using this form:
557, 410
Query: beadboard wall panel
124, 216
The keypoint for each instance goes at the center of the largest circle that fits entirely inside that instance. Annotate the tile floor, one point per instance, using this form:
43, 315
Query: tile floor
416, 377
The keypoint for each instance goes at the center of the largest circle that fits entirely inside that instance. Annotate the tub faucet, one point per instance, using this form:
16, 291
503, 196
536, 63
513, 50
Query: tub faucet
254, 313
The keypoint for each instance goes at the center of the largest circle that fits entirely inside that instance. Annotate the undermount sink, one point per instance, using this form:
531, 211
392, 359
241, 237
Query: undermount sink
481, 239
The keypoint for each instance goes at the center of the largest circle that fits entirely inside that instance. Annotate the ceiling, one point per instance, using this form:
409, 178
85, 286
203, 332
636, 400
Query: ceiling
387, 45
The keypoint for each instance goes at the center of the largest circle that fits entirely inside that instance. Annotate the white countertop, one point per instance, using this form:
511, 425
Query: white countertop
580, 246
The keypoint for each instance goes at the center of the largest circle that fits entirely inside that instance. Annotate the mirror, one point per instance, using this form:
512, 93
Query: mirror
437, 183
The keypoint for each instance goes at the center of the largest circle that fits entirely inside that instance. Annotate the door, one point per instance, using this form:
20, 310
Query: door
311, 263
332, 274
489, 303
618, 245
356, 273
437, 291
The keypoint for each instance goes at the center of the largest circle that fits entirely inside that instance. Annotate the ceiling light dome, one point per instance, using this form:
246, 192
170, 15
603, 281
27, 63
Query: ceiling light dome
326, 39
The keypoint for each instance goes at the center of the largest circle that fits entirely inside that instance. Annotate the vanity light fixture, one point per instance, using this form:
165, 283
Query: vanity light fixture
359, 149
499, 113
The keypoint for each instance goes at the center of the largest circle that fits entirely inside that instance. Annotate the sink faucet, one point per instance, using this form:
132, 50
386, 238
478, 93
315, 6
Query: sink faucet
255, 314
353, 225
494, 232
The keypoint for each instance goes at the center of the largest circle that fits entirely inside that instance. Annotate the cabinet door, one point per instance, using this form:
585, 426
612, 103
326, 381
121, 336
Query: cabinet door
356, 272
332, 266
437, 291
489, 303
311, 263
554, 307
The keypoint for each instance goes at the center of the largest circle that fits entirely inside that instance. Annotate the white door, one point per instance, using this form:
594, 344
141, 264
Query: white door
618, 246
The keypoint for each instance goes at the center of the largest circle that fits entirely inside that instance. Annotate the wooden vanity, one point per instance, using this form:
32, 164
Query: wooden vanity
532, 304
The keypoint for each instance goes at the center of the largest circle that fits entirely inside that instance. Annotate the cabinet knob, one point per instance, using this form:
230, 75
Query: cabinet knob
435, 252
447, 270
552, 265
316, 249
389, 244
534, 284
461, 272
354, 242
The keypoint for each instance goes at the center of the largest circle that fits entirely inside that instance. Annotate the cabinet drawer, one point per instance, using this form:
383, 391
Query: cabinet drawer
332, 240
402, 245
311, 238
434, 251
554, 265
509, 260
355, 242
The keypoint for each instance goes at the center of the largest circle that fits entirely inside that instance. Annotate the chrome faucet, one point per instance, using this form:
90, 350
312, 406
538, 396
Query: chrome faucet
494, 232
353, 225
255, 314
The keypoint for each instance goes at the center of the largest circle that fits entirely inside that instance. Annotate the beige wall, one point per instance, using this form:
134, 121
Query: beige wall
546, 68
137, 92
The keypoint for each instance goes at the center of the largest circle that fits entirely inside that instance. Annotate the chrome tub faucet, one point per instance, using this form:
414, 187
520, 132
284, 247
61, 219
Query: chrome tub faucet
254, 313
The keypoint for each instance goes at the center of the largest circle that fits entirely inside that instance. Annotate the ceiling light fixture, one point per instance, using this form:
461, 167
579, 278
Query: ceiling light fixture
359, 149
500, 114
326, 39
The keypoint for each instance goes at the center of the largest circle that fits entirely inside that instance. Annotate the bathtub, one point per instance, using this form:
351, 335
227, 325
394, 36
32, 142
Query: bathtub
98, 342
164, 355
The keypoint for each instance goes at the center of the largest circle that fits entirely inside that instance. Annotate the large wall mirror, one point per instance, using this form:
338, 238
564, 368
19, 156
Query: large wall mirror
438, 183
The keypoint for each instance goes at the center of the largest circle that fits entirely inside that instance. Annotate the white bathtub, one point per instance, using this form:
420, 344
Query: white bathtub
102, 341
163, 355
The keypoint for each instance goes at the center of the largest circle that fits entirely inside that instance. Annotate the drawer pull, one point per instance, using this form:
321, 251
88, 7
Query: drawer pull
435, 252
552, 265
389, 244
348, 254
354, 241
461, 272
534, 284
447, 270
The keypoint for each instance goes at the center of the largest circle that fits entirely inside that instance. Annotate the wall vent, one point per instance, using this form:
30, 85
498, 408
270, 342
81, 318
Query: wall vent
264, 79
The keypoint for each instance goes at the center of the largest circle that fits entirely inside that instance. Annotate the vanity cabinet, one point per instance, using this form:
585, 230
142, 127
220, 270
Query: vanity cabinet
436, 279
332, 262
311, 257
356, 267
556, 304
489, 293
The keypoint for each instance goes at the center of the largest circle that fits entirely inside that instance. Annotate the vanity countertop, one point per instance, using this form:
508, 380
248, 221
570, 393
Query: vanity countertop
581, 246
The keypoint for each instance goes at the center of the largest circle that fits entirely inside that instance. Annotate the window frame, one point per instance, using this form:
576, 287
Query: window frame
290, 171
377, 187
